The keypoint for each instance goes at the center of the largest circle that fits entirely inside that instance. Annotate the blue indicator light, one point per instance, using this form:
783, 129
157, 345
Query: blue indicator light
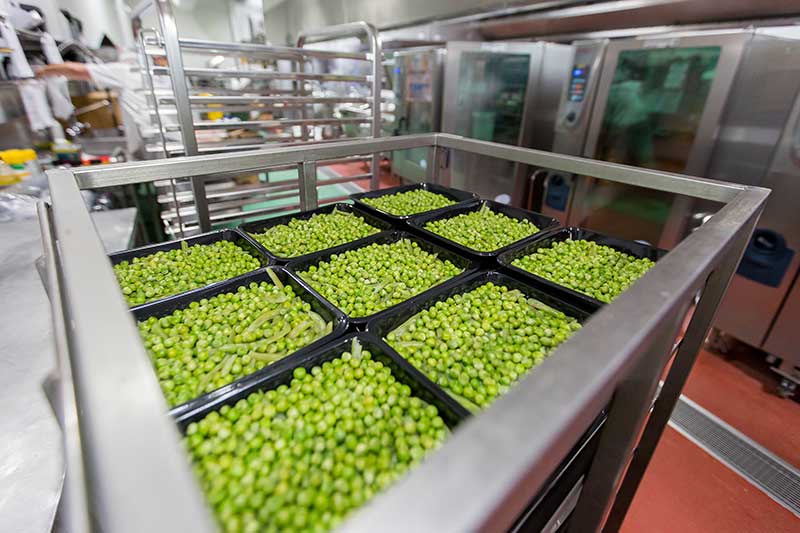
577, 72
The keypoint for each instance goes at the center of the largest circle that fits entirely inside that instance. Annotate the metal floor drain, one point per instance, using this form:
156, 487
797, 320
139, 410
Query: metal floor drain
775, 477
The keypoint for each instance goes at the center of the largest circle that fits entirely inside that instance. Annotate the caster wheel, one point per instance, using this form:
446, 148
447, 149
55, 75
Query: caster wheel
718, 342
787, 388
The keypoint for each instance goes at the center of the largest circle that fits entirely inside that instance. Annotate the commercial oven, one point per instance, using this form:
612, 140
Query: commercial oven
417, 76
506, 93
719, 104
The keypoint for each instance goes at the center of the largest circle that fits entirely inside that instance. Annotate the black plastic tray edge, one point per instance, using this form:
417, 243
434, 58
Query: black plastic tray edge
559, 234
327, 311
381, 326
386, 237
450, 411
227, 234
461, 197
260, 225
543, 222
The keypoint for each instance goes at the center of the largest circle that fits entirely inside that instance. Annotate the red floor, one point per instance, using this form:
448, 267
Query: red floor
686, 490
352, 169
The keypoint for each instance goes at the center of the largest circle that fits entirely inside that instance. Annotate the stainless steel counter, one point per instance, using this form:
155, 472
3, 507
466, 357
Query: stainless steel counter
31, 463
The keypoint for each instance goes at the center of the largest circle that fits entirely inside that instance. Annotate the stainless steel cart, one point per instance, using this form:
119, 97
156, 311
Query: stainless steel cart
270, 94
126, 468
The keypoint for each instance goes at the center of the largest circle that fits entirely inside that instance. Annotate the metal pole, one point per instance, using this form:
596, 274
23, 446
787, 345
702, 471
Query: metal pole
169, 32
629, 409
307, 172
376, 51
73, 508
161, 132
696, 332
139, 479
377, 85
432, 162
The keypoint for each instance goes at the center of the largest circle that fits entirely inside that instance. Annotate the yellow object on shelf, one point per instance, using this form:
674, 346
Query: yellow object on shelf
18, 157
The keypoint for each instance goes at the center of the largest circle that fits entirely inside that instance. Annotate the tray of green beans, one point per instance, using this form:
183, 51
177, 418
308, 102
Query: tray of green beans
483, 230
206, 345
476, 339
158, 271
398, 204
582, 264
369, 277
305, 447
297, 235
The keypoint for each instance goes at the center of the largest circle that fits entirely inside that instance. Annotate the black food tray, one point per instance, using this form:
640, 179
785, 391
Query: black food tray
542, 222
262, 225
381, 326
322, 307
386, 237
451, 412
240, 238
456, 195
578, 234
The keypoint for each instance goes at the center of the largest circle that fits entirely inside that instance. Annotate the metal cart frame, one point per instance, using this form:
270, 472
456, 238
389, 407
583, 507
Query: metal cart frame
125, 465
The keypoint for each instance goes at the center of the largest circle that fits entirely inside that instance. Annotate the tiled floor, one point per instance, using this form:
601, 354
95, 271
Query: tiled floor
686, 490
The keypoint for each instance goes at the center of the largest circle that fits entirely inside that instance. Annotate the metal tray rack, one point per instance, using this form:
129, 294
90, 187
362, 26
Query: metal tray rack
282, 95
126, 467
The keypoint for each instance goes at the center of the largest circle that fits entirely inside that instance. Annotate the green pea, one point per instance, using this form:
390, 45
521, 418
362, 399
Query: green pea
483, 230
474, 353
169, 272
409, 202
308, 481
369, 279
320, 231
192, 355
585, 266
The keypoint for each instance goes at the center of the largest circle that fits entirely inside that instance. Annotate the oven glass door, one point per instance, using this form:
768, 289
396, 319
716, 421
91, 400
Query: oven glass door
653, 110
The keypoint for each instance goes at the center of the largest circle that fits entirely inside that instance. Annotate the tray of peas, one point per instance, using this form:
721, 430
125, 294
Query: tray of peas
154, 272
370, 277
476, 339
482, 230
398, 204
297, 235
307, 445
582, 264
206, 345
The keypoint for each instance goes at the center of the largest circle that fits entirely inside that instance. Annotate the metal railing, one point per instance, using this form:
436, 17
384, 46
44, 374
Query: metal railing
296, 109
138, 479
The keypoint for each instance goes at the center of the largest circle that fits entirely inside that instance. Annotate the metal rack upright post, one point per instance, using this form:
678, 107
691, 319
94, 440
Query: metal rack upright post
125, 463
302, 111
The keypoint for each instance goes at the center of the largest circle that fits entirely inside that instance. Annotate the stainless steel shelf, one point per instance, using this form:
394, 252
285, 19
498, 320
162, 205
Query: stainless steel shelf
288, 96
263, 75
134, 463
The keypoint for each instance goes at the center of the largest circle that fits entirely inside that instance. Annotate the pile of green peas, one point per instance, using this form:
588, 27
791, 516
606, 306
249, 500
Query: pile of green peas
369, 279
218, 340
302, 456
477, 344
409, 202
169, 272
585, 266
483, 230
321, 231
